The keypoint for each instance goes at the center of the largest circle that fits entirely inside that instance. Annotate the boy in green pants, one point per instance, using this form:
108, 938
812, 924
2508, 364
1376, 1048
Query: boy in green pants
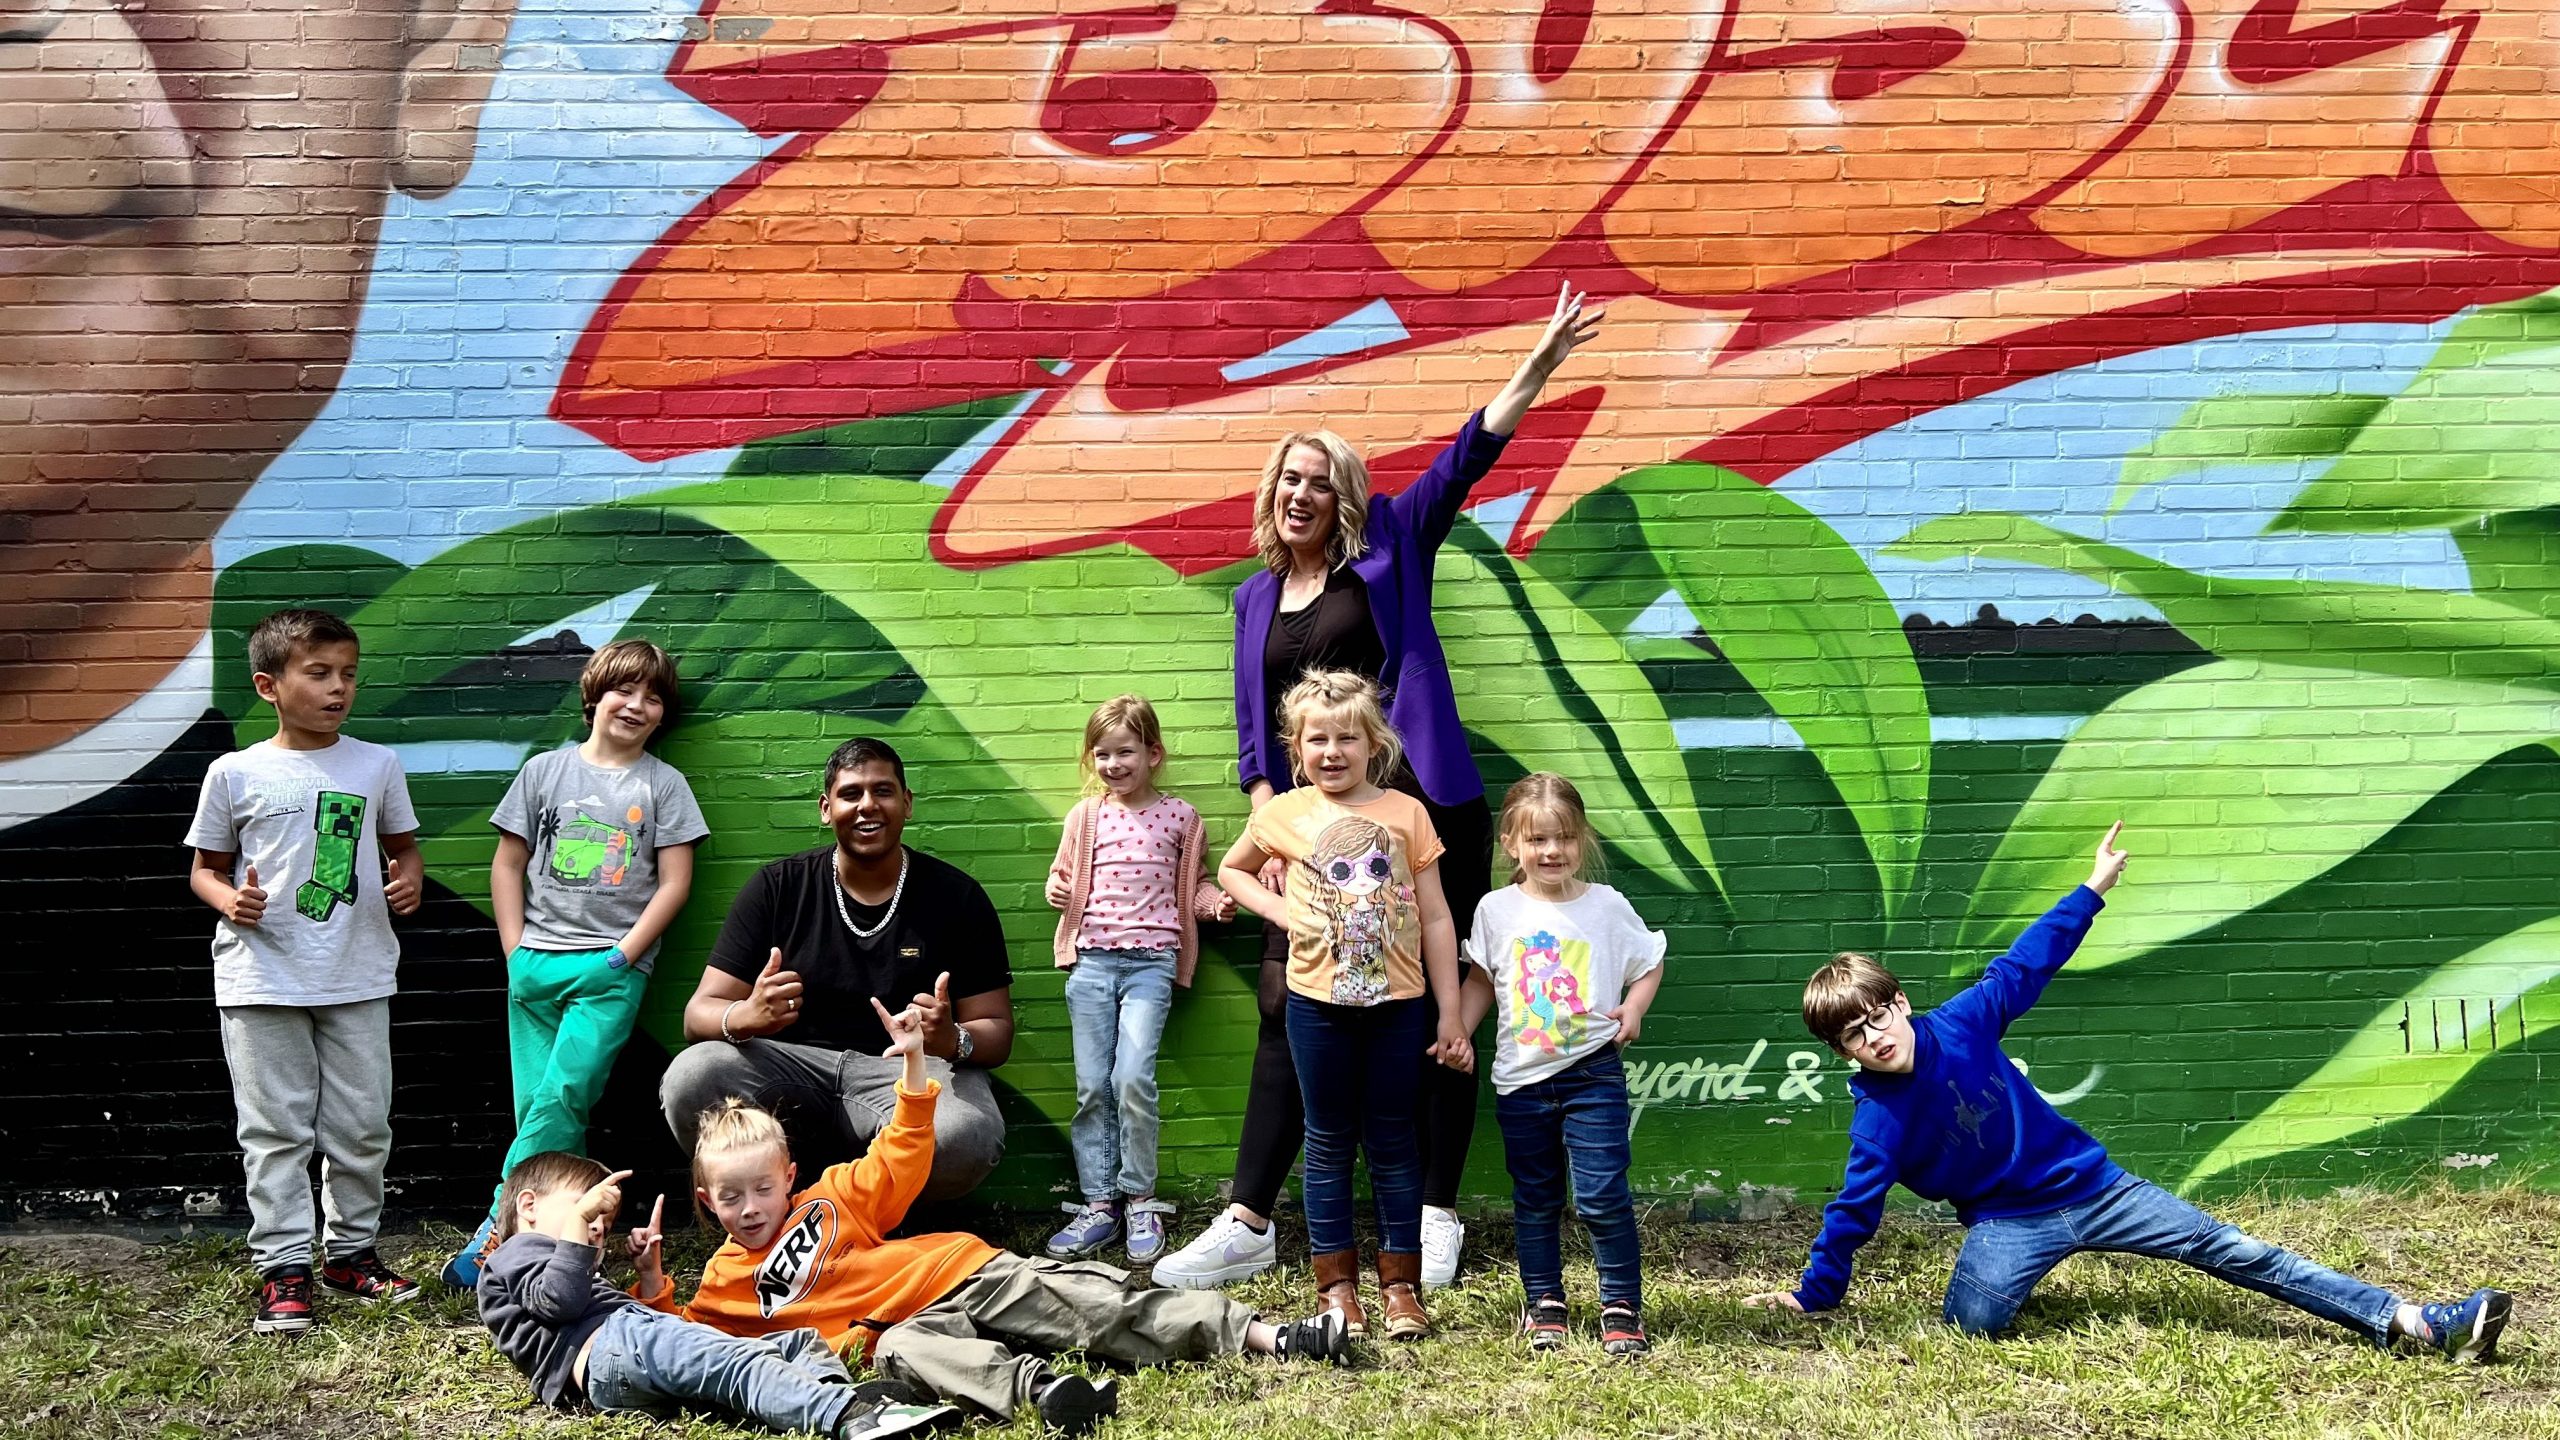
595, 857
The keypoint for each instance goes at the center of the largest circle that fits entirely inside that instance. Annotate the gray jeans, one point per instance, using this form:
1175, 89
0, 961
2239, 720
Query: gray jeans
657, 1364
963, 1347
309, 1079
834, 1101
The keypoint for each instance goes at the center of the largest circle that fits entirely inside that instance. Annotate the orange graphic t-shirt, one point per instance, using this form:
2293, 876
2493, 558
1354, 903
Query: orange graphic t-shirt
828, 1268
1355, 922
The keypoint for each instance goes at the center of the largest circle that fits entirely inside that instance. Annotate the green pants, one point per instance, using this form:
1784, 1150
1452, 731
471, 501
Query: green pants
567, 1016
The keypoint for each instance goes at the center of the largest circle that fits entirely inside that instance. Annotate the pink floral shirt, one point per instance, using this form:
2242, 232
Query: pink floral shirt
1136, 904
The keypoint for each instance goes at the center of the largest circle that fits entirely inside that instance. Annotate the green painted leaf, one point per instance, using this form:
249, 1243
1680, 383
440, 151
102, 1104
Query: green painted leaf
2378, 1078
1796, 611
2515, 557
1528, 662
2237, 781
2245, 430
2477, 432
2425, 634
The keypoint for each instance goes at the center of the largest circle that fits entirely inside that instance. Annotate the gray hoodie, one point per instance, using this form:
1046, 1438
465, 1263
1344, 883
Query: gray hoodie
542, 1300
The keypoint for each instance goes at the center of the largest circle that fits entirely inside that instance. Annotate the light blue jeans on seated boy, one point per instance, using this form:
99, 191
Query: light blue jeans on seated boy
2004, 1258
656, 1364
1117, 1001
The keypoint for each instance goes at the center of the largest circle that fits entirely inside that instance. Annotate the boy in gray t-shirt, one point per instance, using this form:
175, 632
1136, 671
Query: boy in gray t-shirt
322, 823
595, 859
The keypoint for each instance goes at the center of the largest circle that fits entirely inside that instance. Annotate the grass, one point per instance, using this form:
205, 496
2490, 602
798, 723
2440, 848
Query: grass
97, 1344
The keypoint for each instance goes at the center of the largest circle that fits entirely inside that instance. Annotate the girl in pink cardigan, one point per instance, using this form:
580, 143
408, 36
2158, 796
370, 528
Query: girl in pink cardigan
1132, 881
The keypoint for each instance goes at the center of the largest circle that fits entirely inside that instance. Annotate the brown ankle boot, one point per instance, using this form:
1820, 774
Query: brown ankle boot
1400, 1293
1338, 1288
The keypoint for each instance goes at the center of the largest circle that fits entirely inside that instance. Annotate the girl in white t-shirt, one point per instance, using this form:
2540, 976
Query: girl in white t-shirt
1573, 969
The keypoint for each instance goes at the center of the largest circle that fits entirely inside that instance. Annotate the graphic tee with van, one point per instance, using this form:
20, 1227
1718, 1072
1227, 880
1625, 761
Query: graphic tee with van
1557, 970
312, 822
594, 832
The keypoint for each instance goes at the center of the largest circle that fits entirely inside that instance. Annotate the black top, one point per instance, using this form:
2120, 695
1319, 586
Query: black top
945, 922
1336, 632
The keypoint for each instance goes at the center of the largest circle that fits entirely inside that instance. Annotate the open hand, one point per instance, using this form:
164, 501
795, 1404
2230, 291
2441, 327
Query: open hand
248, 903
399, 887
2110, 867
1571, 326
645, 1251
775, 998
905, 1029
934, 1011
1775, 1300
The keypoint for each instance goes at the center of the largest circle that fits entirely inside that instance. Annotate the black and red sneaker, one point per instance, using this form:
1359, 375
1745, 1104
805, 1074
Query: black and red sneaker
363, 1276
1546, 1323
1622, 1330
284, 1301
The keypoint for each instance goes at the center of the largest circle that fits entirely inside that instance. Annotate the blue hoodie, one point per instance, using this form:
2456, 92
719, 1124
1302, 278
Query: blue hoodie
1964, 1126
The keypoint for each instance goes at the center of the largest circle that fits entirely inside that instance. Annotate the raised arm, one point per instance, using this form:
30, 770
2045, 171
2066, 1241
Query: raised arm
1570, 326
1431, 505
2013, 983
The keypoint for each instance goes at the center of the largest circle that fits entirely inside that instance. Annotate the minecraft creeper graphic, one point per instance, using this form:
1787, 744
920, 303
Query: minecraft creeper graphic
339, 818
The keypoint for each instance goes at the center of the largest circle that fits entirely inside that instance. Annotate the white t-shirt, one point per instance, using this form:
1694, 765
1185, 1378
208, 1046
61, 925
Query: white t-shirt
312, 821
1555, 970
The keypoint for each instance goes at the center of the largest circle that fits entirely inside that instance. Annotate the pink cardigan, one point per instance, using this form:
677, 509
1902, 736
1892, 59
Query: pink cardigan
1075, 864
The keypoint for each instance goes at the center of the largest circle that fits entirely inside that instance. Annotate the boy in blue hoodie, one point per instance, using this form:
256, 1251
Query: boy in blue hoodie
1943, 1112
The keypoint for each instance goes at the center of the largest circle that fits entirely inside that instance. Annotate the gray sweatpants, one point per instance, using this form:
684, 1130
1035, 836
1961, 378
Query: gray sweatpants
308, 1078
832, 1102
962, 1346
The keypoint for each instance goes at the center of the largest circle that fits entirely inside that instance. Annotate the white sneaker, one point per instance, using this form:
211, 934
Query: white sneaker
1443, 1234
1226, 1252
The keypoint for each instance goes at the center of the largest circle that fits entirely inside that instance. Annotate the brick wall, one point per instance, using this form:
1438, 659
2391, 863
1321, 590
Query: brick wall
2010, 418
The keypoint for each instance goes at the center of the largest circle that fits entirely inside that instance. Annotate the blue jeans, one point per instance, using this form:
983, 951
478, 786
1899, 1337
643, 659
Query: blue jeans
1359, 1074
655, 1363
1573, 1122
1116, 1004
2003, 1259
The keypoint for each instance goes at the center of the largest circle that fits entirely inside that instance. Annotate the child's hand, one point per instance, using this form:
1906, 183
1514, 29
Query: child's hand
1275, 875
603, 1199
1454, 1050
906, 1030
1630, 1020
645, 1249
1775, 1300
1226, 906
399, 888
2110, 866
248, 903
1056, 890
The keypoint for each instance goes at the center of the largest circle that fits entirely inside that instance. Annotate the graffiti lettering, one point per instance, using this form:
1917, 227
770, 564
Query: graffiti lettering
1698, 1079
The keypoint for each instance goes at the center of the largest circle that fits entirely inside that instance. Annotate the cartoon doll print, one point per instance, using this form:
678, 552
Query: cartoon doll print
1362, 903
1548, 979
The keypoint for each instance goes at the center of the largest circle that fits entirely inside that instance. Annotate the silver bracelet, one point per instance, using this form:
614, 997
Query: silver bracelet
724, 1021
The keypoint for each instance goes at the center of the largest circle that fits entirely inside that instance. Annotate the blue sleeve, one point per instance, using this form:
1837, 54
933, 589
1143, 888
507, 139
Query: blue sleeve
1431, 505
1850, 1220
2017, 979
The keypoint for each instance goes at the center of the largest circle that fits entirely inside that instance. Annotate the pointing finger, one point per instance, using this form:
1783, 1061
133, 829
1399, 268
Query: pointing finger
888, 1021
2112, 832
657, 1215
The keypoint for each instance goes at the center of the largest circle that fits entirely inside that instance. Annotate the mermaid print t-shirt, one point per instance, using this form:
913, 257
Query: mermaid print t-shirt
1355, 916
1557, 969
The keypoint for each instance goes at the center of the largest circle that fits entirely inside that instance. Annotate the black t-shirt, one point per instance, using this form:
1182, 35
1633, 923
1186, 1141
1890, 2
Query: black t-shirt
945, 922
1336, 632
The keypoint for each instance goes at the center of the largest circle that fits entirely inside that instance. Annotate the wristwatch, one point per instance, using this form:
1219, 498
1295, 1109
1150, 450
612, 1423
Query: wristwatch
966, 1046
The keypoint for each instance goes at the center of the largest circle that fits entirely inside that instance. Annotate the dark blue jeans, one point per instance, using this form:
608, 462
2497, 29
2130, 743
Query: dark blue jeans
2003, 1259
1359, 1074
1575, 1123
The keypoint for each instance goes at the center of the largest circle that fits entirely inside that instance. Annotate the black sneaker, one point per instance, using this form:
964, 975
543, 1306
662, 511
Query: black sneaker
363, 1276
881, 1419
1622, 1331
1073, 1405
1545, 1323
284, 1301
1319, 1337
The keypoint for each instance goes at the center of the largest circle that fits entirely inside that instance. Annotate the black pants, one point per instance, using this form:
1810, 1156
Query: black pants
1275, 1119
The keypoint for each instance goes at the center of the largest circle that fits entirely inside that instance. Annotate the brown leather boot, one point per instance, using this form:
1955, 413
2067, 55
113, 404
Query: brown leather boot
1400, 1292
1338, 1288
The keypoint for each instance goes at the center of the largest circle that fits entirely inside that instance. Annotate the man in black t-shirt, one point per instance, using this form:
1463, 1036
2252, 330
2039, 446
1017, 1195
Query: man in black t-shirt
783, 1013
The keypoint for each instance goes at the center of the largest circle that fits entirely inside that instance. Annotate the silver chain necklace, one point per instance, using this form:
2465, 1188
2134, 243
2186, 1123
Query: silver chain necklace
846, 915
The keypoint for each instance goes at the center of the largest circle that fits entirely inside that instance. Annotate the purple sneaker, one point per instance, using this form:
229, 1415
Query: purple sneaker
1146, 1231
1096, 1225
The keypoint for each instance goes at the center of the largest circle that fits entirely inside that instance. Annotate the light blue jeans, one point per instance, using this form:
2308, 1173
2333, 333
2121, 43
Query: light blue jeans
2003, 1259
656, 1364
1116, 1002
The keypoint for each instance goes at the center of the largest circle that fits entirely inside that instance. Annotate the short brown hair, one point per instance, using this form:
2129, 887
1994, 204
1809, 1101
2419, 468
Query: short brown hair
273, 641
540, 1173
625, 662
1842, 993
1344, 695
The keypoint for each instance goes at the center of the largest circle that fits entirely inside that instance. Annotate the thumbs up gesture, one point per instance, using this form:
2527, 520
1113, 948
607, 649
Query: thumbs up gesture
775, 999
248, 903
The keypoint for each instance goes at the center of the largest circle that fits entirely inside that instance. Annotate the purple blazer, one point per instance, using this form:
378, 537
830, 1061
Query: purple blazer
1404, 535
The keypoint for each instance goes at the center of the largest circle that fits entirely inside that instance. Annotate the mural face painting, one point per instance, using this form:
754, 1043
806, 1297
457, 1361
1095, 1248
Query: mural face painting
2010, 418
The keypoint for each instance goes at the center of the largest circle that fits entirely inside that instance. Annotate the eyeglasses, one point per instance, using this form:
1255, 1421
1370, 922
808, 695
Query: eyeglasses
1872, 1024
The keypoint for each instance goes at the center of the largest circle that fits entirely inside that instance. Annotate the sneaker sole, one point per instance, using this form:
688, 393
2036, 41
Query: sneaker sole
1081, 1252
396, 1297
280, 1327
2485, 1330
1213, 1279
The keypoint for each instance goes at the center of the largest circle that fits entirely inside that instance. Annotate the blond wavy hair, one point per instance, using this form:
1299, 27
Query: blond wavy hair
1340, 695
1349, 476
1545, 795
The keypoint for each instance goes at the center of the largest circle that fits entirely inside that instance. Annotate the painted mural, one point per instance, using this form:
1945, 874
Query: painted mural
2013, 415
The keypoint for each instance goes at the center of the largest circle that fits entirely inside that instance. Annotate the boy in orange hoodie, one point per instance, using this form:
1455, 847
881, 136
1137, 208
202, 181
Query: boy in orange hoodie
924, 1305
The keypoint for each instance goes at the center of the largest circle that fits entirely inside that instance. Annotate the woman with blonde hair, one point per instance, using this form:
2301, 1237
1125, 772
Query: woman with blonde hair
1346, 585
